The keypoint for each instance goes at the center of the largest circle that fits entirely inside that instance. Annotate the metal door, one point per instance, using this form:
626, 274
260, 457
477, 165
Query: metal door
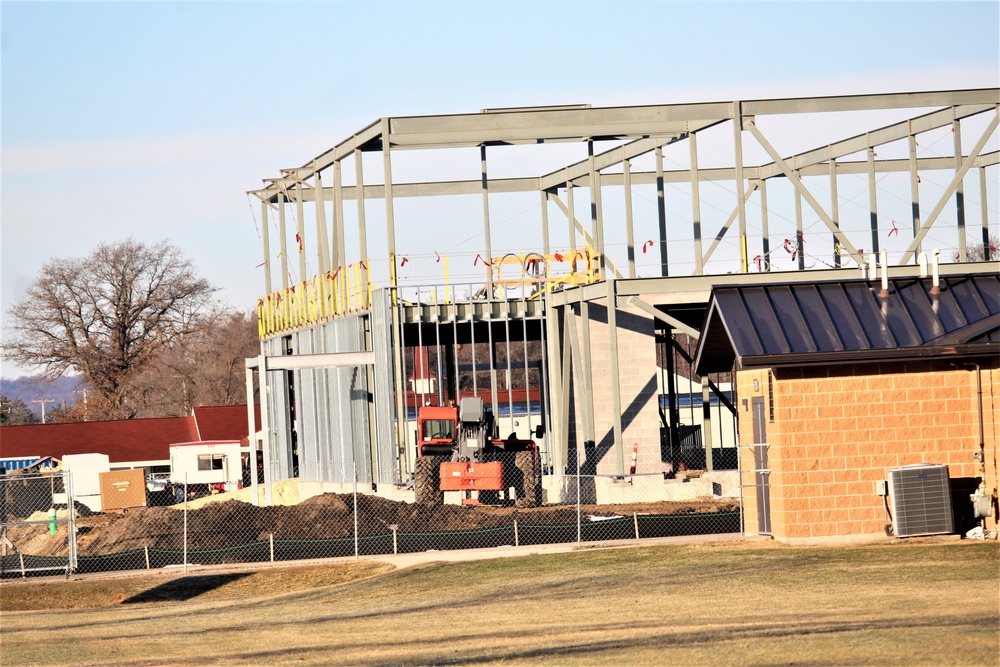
761, 471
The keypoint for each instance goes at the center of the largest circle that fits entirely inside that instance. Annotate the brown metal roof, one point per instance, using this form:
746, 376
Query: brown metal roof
800, 324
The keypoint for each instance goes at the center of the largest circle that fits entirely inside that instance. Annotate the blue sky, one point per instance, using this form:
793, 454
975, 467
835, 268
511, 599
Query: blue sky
153, 119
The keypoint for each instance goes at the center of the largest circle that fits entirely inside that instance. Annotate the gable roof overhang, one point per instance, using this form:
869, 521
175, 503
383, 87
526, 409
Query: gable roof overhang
796, 325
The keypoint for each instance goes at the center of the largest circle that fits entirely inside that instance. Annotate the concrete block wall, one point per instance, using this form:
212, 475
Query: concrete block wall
837, 430
637, 372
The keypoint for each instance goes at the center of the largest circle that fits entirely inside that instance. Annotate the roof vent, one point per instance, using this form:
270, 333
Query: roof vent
921, 500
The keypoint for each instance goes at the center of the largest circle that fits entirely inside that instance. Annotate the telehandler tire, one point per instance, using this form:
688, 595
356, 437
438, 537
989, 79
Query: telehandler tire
427, 480
531, 490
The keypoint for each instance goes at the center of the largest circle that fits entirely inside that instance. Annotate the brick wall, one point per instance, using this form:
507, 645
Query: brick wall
837, 430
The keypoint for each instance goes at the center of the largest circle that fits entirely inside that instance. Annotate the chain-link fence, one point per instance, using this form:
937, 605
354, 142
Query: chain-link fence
312, 521
36, 525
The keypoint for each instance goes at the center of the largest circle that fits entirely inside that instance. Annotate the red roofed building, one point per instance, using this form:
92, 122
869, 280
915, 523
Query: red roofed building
130, 443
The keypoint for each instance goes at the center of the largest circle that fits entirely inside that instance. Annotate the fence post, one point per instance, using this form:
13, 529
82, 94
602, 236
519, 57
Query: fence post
185, 522
635, 522
355, 510
394, 528
270, 538
579, 510
21, 557
517, 541
146, 549
71, 565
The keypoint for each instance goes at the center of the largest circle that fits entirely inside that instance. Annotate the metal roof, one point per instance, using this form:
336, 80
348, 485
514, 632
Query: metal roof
797, 324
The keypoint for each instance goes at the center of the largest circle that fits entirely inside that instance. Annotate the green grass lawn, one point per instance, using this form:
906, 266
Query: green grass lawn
907, 603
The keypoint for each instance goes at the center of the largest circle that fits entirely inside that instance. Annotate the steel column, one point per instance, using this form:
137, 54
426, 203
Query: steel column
596, 213
872, 197
799, 232
322, 257
706, 423
629, 232
765, 230
914, 188
616, 399
545, 225
963, 253
984, 213
252, 430
834, 210
300, 225
699, 258
340, 255
588, 373
488, 264
661, 213
360, 187
571, 215
266, 240
265, 429
741, 206
282, 230
390, 223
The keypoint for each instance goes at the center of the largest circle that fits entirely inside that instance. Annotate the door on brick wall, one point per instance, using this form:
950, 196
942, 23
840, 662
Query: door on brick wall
761, 471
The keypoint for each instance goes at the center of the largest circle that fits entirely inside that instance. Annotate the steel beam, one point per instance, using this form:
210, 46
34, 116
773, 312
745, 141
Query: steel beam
959, 175
729, 223
752, 127
663, 317
574, 223
676, 176
697, 289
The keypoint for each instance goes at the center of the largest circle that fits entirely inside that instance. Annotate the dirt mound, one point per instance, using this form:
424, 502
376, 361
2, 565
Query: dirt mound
221, 524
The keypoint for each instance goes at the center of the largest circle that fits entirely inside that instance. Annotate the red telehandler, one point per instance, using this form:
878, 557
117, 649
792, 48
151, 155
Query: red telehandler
456, 453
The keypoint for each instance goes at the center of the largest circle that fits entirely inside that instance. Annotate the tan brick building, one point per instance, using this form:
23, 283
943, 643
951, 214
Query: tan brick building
838, 385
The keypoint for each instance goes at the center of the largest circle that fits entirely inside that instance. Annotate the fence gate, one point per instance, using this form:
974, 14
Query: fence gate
36, 517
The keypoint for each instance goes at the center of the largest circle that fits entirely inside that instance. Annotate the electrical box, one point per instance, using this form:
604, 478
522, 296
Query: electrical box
881, 488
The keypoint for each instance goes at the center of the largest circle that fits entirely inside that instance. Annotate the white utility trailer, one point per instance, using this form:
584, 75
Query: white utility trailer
216, 464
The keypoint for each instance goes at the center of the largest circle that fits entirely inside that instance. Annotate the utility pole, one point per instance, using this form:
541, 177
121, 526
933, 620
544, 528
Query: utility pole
86, 412
43, 401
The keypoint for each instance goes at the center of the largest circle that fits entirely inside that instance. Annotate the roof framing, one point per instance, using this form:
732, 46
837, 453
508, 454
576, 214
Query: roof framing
637, 131
650, 123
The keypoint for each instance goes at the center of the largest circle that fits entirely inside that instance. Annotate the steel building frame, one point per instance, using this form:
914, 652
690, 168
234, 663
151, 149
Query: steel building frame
670, 300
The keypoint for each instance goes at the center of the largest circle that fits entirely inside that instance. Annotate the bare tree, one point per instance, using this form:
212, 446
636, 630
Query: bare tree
107, 315
203, 368
977, 252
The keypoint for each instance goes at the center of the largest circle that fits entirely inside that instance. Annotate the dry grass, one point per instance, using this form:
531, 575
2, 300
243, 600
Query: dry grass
904, 604
99, 593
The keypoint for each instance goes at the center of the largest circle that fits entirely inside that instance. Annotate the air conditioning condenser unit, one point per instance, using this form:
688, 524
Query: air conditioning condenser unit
921, 500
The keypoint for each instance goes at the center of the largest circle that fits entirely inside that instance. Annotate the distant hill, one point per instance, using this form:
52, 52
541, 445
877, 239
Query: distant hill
31, 388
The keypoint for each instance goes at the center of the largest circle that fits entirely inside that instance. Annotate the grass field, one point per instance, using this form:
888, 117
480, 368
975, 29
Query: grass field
907, 603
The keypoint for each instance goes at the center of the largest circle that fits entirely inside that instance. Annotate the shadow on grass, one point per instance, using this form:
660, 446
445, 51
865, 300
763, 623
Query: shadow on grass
185, 588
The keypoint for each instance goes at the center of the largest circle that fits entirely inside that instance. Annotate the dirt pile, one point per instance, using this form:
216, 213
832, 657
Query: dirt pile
220, 524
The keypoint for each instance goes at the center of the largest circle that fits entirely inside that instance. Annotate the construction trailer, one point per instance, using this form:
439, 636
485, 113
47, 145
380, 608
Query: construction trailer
212, 465
577, 303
